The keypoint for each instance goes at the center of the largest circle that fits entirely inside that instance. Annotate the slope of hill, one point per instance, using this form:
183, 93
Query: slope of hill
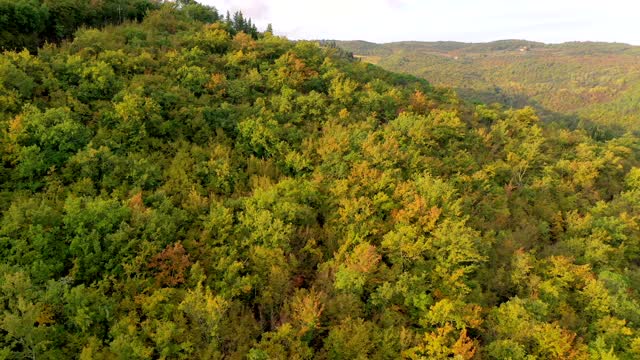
595, 83
174, 189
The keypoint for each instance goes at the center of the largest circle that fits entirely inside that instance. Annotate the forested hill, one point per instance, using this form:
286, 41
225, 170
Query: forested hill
177, 189
579, 83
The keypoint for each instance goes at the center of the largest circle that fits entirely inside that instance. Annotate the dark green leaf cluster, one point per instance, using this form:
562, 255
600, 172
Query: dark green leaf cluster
238, 23
29, 23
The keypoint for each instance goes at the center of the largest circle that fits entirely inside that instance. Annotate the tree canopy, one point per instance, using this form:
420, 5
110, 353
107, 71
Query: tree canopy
183, 186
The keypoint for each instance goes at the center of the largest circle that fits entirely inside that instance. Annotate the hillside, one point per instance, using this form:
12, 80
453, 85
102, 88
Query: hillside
579, 83
175, 188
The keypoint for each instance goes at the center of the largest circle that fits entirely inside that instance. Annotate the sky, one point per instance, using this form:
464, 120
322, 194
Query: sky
549, 21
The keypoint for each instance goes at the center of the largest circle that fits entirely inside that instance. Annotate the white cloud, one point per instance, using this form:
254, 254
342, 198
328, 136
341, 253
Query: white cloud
462, 20
255, 9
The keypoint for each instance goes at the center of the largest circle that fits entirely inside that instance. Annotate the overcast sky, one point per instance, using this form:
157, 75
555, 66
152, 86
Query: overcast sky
550, 21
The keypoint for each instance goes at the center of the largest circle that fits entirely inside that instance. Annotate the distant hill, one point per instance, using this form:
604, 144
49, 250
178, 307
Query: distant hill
579, 82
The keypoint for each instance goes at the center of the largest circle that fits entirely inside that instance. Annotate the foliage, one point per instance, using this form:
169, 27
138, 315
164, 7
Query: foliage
178, 189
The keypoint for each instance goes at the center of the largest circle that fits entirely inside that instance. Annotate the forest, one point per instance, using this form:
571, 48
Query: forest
595, 86
180, 185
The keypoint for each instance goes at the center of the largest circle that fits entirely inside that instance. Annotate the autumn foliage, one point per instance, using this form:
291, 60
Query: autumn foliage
185, 187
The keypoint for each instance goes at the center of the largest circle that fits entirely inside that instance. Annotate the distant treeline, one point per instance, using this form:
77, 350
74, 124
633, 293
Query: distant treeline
30, 23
